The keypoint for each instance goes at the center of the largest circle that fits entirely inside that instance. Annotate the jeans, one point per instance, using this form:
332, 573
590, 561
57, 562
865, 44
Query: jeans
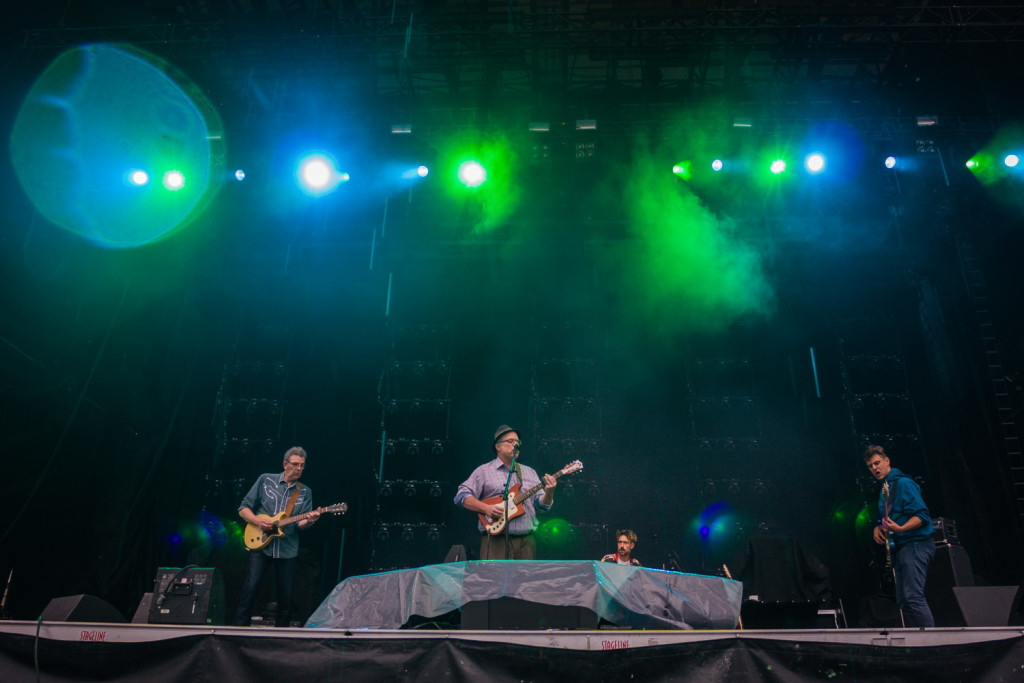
911, 565
284, 569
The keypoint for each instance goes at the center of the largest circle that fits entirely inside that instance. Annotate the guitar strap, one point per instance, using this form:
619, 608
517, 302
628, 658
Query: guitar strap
291, 501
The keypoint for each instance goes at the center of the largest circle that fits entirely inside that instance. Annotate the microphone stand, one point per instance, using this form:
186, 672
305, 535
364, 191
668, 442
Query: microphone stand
508, 484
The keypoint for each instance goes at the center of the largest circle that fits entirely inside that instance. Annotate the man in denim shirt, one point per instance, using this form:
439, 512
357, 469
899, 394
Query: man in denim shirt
270, 496
903, 514
488, 481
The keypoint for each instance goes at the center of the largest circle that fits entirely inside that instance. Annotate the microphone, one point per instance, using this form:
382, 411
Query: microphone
515, 448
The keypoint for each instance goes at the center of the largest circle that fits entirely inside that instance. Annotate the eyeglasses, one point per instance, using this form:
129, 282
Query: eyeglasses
512, 441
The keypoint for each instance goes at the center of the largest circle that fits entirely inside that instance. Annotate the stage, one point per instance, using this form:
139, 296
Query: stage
128, 652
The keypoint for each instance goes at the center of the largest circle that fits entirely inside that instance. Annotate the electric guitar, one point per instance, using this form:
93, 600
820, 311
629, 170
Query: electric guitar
256, 538
889, 544
515, 499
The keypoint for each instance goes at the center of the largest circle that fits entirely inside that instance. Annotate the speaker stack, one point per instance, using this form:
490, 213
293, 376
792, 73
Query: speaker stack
950, 589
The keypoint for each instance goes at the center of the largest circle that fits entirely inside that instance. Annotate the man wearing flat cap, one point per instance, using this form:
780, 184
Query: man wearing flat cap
488, 482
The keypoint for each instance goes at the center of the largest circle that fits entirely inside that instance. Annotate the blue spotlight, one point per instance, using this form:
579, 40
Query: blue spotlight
418, 172
1011, 160
815, 163
318, 174
136, 177
890, 162
716, 165
239, 175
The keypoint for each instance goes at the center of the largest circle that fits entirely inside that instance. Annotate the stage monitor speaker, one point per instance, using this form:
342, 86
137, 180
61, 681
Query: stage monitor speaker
82, 608
512, 614
141, 615
457, 553
986, 605
189, 595
950, 568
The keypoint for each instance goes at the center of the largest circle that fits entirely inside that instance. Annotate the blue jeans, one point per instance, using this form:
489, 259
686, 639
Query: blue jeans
284, 569
911, 565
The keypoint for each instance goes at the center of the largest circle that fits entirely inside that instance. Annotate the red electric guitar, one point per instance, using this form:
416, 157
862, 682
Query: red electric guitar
515, 507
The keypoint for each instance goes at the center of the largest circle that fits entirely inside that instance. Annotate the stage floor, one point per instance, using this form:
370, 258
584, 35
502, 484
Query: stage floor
603, 639
81, 651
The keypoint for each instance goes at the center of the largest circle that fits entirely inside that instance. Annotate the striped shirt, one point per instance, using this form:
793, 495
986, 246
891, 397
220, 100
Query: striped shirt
488, 481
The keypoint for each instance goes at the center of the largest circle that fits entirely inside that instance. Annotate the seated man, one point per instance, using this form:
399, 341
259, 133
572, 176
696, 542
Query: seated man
626, 539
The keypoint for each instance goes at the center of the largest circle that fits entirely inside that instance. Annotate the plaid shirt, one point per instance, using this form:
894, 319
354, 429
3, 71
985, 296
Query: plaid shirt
488, 481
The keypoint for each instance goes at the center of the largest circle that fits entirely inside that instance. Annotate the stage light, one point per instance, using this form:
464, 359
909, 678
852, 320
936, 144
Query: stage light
972, 164
539, 127
401, 128
682, 170
137, 177
815, 163
586, 124
318, 174
407, 533
472, 174
415, 172
174, 180
778, 166
239, 175
1011, 160
716, 165
890, 162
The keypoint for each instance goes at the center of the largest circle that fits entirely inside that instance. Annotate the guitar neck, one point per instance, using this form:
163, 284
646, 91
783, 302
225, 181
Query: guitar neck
523, 495
297, 518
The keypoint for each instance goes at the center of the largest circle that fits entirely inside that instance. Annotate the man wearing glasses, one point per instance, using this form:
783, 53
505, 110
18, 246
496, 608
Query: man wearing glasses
487, 483
271, 495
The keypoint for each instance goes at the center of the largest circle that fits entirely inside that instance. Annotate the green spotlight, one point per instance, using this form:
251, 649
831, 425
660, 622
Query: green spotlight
972, 164
682, 170
174, 180
472, 174
778, 166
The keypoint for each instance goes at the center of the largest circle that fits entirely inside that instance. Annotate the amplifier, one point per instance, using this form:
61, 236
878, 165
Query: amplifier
189, 595
945, 531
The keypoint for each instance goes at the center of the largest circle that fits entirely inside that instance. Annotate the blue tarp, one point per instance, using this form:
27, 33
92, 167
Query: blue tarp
623, 595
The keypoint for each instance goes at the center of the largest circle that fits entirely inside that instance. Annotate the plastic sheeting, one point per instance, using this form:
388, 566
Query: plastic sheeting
623, 595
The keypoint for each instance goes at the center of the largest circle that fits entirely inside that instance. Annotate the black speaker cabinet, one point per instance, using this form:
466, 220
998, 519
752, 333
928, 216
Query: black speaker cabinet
82, 608
141, 615
951, 567
189, 595
986, 605
514, 614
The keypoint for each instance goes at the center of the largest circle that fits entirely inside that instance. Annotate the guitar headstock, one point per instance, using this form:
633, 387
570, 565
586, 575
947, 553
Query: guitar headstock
574, 466
336, 509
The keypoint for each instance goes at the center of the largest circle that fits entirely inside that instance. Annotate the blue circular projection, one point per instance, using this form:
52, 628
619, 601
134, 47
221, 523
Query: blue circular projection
96, 126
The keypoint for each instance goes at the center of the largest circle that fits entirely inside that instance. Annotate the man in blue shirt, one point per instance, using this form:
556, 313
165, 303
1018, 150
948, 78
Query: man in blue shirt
904, 517
270, 496
488, 481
